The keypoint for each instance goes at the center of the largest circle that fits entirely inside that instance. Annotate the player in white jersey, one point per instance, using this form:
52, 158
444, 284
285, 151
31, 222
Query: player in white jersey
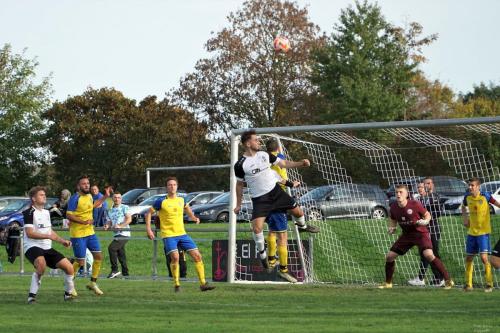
38, 237
267, 196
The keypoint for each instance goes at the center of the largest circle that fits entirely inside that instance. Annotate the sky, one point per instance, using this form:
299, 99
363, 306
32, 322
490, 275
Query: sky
144, 47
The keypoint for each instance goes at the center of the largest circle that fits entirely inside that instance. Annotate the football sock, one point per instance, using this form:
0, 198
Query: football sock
283, 255
271, 245
301, 221
487, 274
35, 283
200, 270
469, 268
175, 273
260, 244
389, 271
76, 267
69, 285
438, 265
96, 268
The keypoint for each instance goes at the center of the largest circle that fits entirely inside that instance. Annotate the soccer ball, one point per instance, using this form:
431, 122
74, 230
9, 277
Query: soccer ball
281, 44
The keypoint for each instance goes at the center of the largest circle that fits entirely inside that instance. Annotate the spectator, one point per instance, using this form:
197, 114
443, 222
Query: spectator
58, 210
99, 212
119, 221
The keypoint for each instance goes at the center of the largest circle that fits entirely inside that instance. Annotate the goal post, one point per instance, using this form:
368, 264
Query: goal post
357, 162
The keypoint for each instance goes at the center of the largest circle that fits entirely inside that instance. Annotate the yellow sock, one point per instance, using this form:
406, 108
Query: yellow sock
469, 268
76, 267
487, 274
271, 244
200, 270
96, 268
283, 254
175, 268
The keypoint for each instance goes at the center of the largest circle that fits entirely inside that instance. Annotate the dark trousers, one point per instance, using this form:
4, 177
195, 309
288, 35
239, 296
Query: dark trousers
424, 263
116, 251
182, 264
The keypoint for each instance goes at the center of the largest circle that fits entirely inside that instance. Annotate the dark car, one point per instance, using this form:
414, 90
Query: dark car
447, 187
346, 200
218, 209
138, 195
12, 214
201, 197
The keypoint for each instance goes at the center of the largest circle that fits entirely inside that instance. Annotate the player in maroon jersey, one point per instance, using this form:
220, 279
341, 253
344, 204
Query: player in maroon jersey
413, 219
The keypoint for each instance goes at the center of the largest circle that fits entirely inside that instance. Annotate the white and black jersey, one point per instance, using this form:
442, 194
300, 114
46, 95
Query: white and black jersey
256, 172
39, 219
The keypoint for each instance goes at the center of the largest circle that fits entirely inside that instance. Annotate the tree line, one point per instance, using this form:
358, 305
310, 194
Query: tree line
366, 69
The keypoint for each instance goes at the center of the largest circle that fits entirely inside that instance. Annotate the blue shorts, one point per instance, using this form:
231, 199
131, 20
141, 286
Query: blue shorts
478, 244
81, 244
183, 242
277, 222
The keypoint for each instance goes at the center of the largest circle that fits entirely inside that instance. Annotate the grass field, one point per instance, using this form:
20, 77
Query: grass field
151, 306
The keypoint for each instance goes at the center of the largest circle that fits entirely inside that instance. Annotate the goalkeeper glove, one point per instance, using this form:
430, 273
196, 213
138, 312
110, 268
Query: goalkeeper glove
422, 222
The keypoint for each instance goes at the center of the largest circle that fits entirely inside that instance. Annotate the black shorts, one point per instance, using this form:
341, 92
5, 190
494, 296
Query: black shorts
496, 249
52, 257
276, 200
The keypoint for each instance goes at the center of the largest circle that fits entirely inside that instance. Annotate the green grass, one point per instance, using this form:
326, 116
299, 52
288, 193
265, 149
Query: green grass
354, 245
151, 306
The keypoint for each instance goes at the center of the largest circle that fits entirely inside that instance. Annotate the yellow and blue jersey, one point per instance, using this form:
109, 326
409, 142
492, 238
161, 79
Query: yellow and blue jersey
479, 212
81, 206
171, 214
279, 170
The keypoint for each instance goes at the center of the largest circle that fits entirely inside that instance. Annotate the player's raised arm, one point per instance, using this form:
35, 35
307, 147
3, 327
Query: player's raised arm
239, 195
294, 164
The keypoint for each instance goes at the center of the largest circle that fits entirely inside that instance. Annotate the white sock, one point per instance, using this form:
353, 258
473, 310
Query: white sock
260, 243
69, 285
35, 283
300, 221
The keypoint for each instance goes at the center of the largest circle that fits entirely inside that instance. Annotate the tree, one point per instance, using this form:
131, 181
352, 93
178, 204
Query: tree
245, 83
366, 68
21, 102
108, 136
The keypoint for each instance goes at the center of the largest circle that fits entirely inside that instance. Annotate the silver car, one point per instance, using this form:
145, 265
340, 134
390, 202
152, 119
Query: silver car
345, 201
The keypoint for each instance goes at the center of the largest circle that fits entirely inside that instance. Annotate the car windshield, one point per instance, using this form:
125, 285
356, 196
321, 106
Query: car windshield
223, 198
316, 194
489, 187
149, 201
131, 195
15, 206
189, 197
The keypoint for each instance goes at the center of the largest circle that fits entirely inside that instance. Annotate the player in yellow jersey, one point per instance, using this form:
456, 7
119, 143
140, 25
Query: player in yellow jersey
171, 210
477, 221
81, 229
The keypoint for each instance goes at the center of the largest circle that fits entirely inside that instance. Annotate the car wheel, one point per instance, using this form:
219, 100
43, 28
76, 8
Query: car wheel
223, 217
314, 215
378, 213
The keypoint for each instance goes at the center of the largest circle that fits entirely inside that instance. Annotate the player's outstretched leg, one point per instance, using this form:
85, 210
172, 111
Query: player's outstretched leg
437, 264
300, 221
96, 268
260, 244
200, 270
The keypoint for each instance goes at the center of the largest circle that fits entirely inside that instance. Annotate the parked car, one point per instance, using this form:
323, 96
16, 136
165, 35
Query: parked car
201, 197
138, 195
218, 209
12, 214
447, 187
6, 200
137, 212
345, 201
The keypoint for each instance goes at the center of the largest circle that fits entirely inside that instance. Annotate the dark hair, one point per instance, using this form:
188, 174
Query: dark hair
82, 177
428, 178
476, 180
34, 191
247, 135
116, 192
272, 145
171, 178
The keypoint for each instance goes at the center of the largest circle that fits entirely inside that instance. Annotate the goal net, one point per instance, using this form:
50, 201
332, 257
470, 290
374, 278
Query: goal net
348, 188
